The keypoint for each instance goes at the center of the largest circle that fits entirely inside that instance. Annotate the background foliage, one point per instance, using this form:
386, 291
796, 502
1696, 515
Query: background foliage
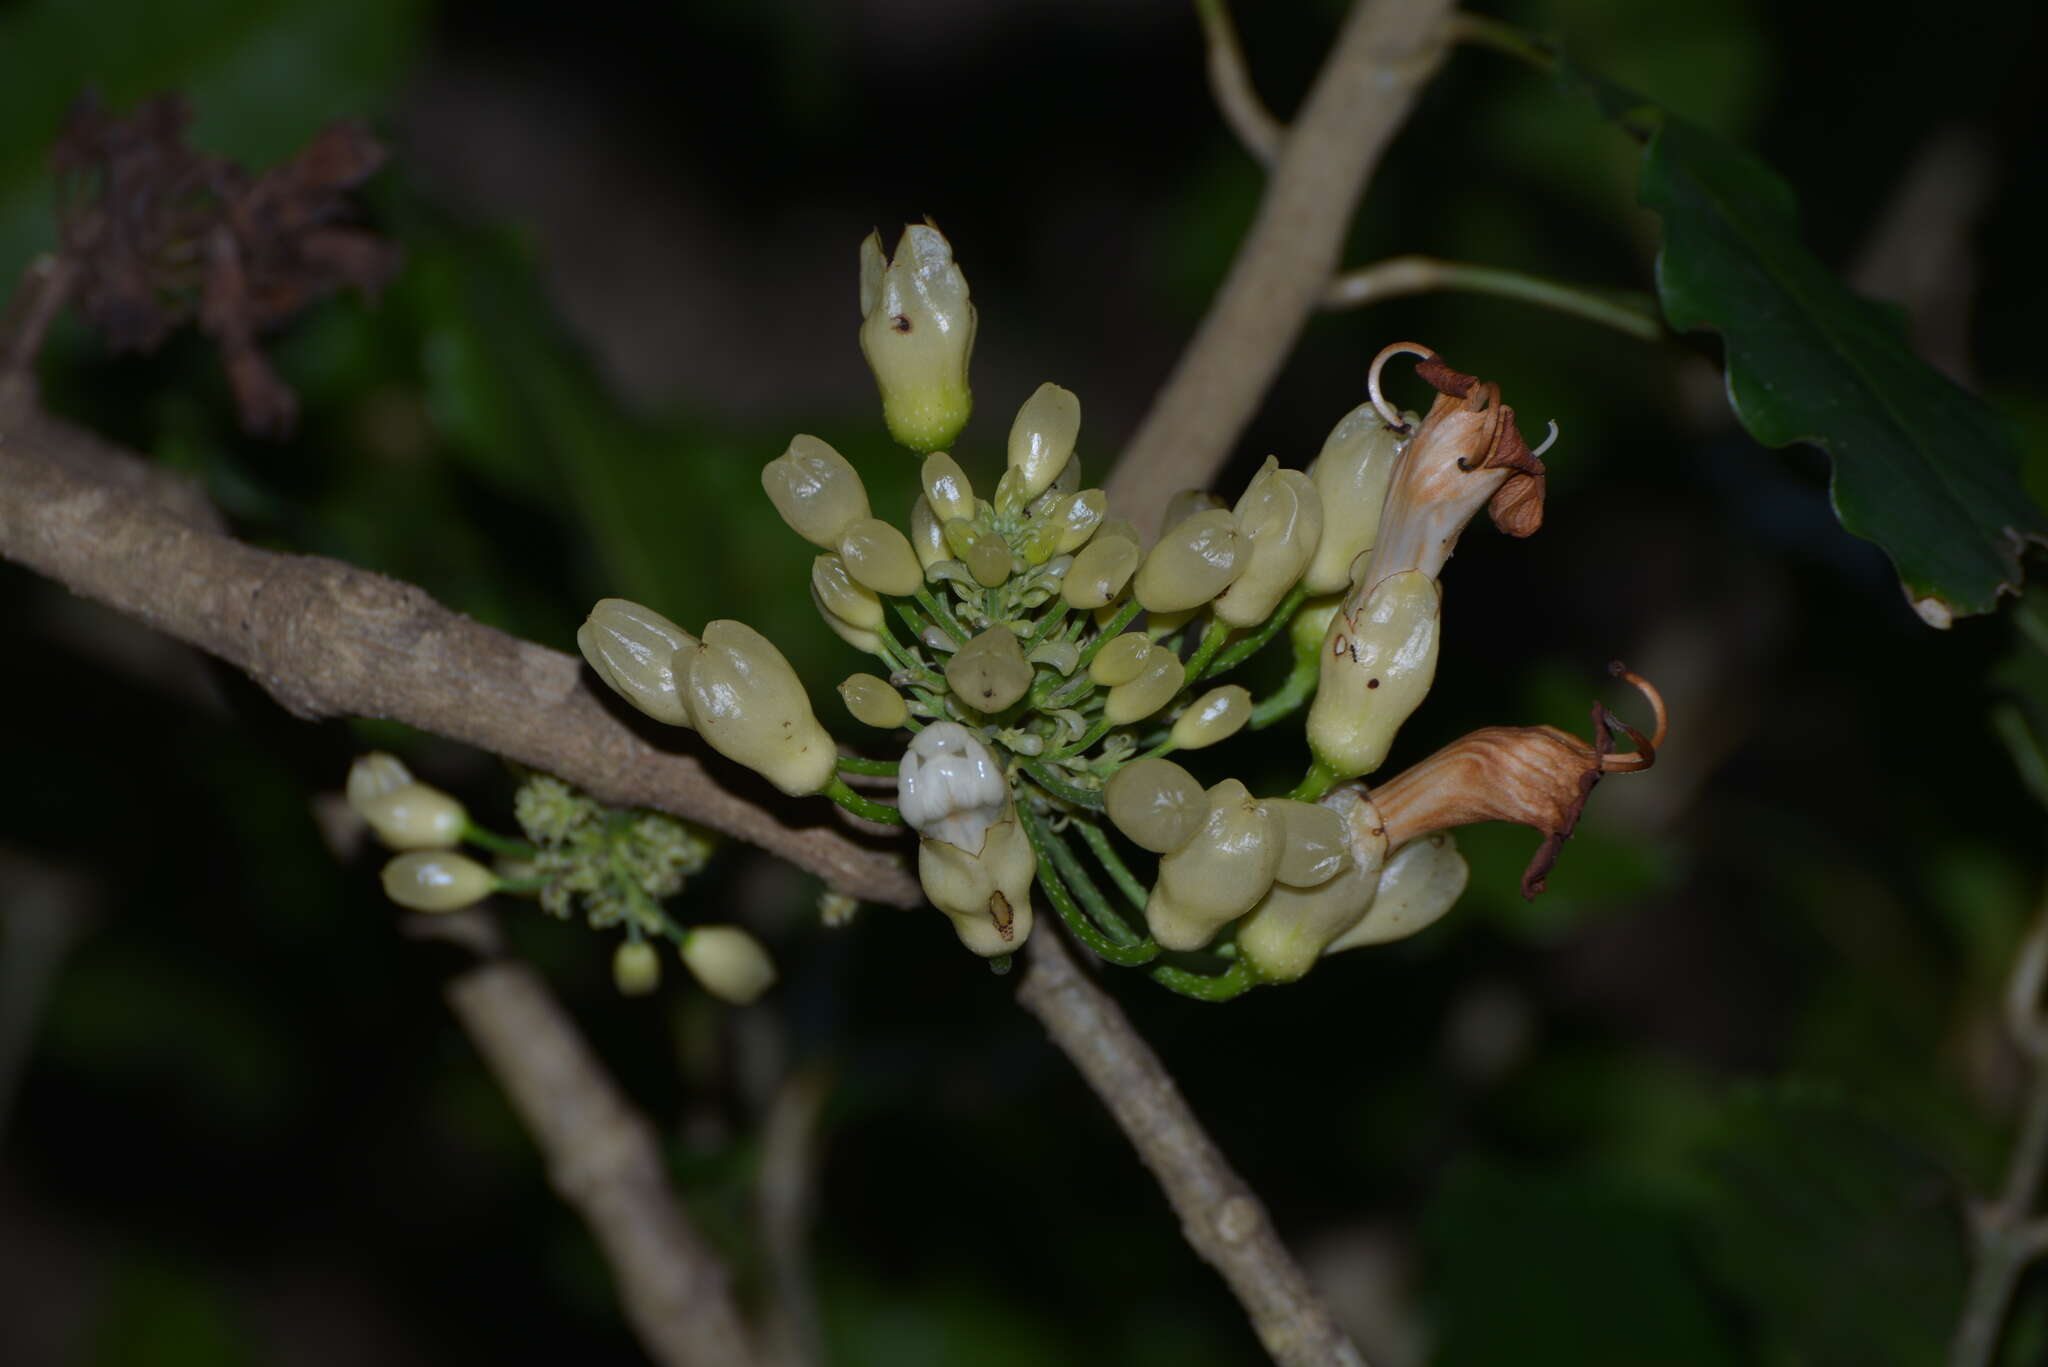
1711, 1100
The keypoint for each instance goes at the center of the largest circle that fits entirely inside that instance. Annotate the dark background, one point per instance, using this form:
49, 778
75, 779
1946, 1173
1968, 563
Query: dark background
1706, 1101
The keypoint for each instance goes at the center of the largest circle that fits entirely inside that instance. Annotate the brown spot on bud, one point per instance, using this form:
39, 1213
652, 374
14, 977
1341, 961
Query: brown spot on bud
900, 323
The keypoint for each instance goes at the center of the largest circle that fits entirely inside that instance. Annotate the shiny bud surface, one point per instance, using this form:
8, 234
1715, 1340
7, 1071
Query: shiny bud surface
946, 487
636, 968
1378, 662
1042, 438
415, 817
917, 332
1192, 563
751, 708
1214, 717
728, 963
873, 702
1350, 476
815, 490
436, 881
990, 671
851, 602
633, 649
1156, 804
880, 558
1220, 874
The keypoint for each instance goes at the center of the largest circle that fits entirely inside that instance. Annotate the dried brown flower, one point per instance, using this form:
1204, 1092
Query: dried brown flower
1536, 776
162, 234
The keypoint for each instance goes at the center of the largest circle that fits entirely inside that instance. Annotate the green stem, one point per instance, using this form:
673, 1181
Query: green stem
516, 887
1217, 987
1503, 38
1622, 310
1213, 637
1319, 779
1077, 878
495, 843
1060, 788
1081, 746
1047, 626
860, 806
1252, 644
1063, 900
855, 764
941, 614
1288, 698
1125, 615
1099, 845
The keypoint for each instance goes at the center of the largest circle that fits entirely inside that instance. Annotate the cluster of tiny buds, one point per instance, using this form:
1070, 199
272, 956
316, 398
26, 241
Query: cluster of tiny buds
617, 865
1045, 660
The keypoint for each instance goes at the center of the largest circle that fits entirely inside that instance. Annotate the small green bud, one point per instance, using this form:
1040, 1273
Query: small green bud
1214, 717
988, 560
1042, 438
636, 968
1196, 560
436, 881
917, 332
873, 702
728, 963
415, 817
881, 558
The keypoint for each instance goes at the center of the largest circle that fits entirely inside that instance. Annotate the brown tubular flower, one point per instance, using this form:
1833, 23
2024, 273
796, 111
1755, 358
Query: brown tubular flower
1467, 451
1537, 776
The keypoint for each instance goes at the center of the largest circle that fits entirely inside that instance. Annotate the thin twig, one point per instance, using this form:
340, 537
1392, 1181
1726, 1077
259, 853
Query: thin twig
1231, 83
45, 288
1383, 54
787, 1201
326, 639
2006, 1233
601, 1155
1219, 1215
1624, 311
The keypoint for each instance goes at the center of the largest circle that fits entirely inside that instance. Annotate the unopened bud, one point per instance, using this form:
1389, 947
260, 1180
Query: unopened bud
1100, 571
987, 895
1422, 880
873, 702
949, 786
988, 560
1378, 662
1157, 804
1042, 438
1079, 516
917, 331
928, 534
636, 968
1214, 717
1154, 688
990, 671
633, 649
1122, 659
1196, 560
1316, 849
1291, 926
1351, 477
728, 963
880, 557
815, 490
436, 880
946, 487
750, 706
415, 817
1220, 874
374, 774
860, 638
1281, 518
850, 601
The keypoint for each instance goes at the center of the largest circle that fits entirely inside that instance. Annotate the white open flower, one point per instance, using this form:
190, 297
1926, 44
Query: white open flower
950, 787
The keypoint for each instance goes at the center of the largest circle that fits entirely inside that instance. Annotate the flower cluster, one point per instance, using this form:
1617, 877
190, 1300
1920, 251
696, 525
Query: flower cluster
1045, 661
616, 864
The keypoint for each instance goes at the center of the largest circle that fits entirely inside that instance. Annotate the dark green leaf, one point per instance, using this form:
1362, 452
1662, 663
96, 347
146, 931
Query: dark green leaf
1922, 468
1845, 1242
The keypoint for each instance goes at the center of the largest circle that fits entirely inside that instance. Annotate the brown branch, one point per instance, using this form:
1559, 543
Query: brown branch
1219, 1216
601, 1154
327, 640
1385, 51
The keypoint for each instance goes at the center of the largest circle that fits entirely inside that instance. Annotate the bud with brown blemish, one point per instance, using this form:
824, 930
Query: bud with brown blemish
1536, 776
917, 332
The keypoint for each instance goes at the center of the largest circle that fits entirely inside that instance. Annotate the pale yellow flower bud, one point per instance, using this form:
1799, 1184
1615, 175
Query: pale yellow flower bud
1316, 843
917, 331
1378, 662
1042, 438
990, 671
1122, 659
1220, 874
374, 774
1281, 518
436, 881
1422, 881
1351, 476
1283, 936
815, 490
1193, 562
950, 786
748, 703
946, 487
851, 602
880, 557
728, 963
1214, 717
636, 968
415, 817
987, 895
1079, 516
1042, 535
928, 534
1157, 804
873, 702
988, 560
1154, 688
1099, 572
860, 638
633, 649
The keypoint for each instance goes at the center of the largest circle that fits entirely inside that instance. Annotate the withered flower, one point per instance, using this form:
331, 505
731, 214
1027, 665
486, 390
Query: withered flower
1536, 776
